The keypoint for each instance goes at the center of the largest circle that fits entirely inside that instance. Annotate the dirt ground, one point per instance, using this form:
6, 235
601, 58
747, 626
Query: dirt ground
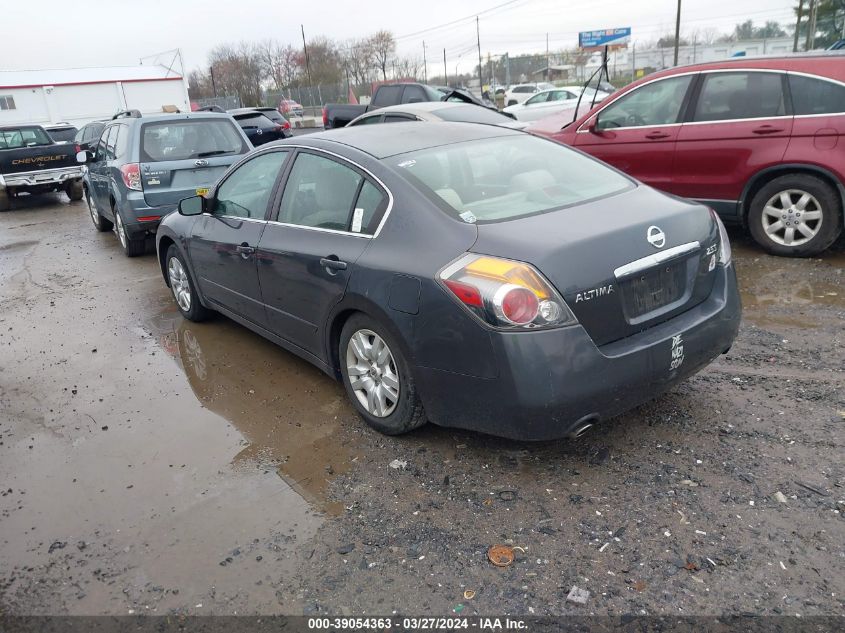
151, 465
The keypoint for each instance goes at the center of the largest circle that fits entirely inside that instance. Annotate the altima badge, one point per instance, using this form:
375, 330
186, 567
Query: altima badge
656, 237
201, 163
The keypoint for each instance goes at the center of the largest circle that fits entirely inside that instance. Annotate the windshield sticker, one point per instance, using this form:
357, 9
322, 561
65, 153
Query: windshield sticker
407, 163
357, 216
468, 217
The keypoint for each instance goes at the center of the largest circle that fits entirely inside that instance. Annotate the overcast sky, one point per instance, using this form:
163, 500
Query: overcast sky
61, 34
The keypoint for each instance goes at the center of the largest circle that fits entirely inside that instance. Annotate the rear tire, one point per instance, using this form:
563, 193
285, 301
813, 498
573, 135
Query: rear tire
100, 223
796, 215
183, 288
383, 392
132, 247
74, 190
5, 202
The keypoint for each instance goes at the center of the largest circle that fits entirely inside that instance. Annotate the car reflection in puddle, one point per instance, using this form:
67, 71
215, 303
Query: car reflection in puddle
288, 411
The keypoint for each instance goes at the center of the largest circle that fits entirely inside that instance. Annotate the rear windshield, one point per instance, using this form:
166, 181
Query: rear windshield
184, 139
507, 177
253, 120
23, 137
273, 115
63, 134
472, 114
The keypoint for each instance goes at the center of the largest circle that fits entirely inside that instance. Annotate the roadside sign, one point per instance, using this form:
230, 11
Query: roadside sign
606, 37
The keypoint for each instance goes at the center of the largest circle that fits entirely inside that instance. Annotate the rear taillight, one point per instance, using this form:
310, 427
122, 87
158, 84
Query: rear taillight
131, 173
505, 293
724, 243
77, 148
286, 125
325, 117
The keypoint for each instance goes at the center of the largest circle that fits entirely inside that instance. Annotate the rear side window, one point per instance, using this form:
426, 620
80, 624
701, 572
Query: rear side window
414, 94
320, 193
368, 120
111, 143
397, 118
657, 103
741, 95
816, 96
369, 208
387, 95
185, 139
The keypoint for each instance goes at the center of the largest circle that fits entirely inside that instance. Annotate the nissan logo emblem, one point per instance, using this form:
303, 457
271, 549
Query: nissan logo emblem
656, 237
201, 163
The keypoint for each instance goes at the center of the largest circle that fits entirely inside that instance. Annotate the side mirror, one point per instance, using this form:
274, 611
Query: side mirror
593, 126
83, 156
195, 205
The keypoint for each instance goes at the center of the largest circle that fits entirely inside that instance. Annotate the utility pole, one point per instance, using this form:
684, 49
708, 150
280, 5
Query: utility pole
548, 63
425, 66
507, 69
213, 85
478, 39
307, 67
798, 25
633, 61
677, 31
445, 74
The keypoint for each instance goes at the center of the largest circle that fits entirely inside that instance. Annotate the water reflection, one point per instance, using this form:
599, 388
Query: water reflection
288, 411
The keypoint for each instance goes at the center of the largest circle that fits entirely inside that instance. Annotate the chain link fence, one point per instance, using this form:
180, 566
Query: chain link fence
227, 103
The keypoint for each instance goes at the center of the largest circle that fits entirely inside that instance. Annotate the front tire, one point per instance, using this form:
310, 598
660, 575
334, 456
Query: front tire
183, 288
132, 247
377, 377
100, 223
796, 215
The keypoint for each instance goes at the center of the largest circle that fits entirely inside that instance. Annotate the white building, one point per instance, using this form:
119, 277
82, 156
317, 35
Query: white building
80, 95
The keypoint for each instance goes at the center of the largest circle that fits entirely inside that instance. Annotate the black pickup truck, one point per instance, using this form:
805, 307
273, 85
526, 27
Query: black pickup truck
31, 162
339, 114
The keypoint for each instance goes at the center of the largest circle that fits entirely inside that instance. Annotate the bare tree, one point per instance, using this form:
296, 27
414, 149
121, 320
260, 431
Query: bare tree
238, 70
281, 64
358, 60
407, 68
384, 47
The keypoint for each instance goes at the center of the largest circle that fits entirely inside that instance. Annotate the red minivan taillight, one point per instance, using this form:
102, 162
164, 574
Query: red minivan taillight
131, 173
325, 117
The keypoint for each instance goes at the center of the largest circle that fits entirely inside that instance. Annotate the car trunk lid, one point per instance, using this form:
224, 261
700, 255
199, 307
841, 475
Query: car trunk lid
168, 182
599, 256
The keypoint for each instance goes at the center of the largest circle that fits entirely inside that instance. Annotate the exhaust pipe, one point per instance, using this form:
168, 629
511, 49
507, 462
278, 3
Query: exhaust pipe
582, 426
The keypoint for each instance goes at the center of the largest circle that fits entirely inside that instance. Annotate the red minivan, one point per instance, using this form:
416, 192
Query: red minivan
755, 139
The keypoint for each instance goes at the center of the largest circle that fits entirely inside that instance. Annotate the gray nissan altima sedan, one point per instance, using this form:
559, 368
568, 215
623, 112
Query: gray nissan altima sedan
463, 274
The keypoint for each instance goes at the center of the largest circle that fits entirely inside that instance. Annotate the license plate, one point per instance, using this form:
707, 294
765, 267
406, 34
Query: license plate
202, 191
654, 289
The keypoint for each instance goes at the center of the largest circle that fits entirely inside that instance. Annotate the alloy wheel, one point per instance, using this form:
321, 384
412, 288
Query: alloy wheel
179, 283
121, 232
92, 209
792, 217
372, 372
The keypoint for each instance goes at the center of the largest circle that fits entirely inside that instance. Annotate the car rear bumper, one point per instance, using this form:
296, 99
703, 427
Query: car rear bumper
42, 177
552, 382
140, 219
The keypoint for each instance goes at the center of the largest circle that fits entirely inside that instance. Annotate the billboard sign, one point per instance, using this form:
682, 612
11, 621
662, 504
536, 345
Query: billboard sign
605, 37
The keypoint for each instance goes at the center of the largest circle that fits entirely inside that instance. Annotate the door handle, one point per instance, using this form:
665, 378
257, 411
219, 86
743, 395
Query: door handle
245, 250
766, 129
657, 135
332, 263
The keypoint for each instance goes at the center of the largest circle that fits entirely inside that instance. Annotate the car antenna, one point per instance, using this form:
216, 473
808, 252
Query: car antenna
598, 71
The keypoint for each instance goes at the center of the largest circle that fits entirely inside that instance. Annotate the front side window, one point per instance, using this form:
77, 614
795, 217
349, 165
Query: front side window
387, 95
246, 192
413, 94
184, 139
740, 95
398, 118
811, 95
657, 103
323, 193
104, 140
506, 177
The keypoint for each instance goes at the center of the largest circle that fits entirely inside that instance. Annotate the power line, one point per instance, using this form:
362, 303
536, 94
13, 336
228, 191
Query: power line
453, 22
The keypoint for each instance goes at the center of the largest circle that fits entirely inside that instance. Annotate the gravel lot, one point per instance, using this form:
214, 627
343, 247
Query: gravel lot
151, 465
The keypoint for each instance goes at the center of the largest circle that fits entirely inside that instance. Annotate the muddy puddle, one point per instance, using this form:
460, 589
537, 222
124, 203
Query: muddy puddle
288, 411
789, 292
